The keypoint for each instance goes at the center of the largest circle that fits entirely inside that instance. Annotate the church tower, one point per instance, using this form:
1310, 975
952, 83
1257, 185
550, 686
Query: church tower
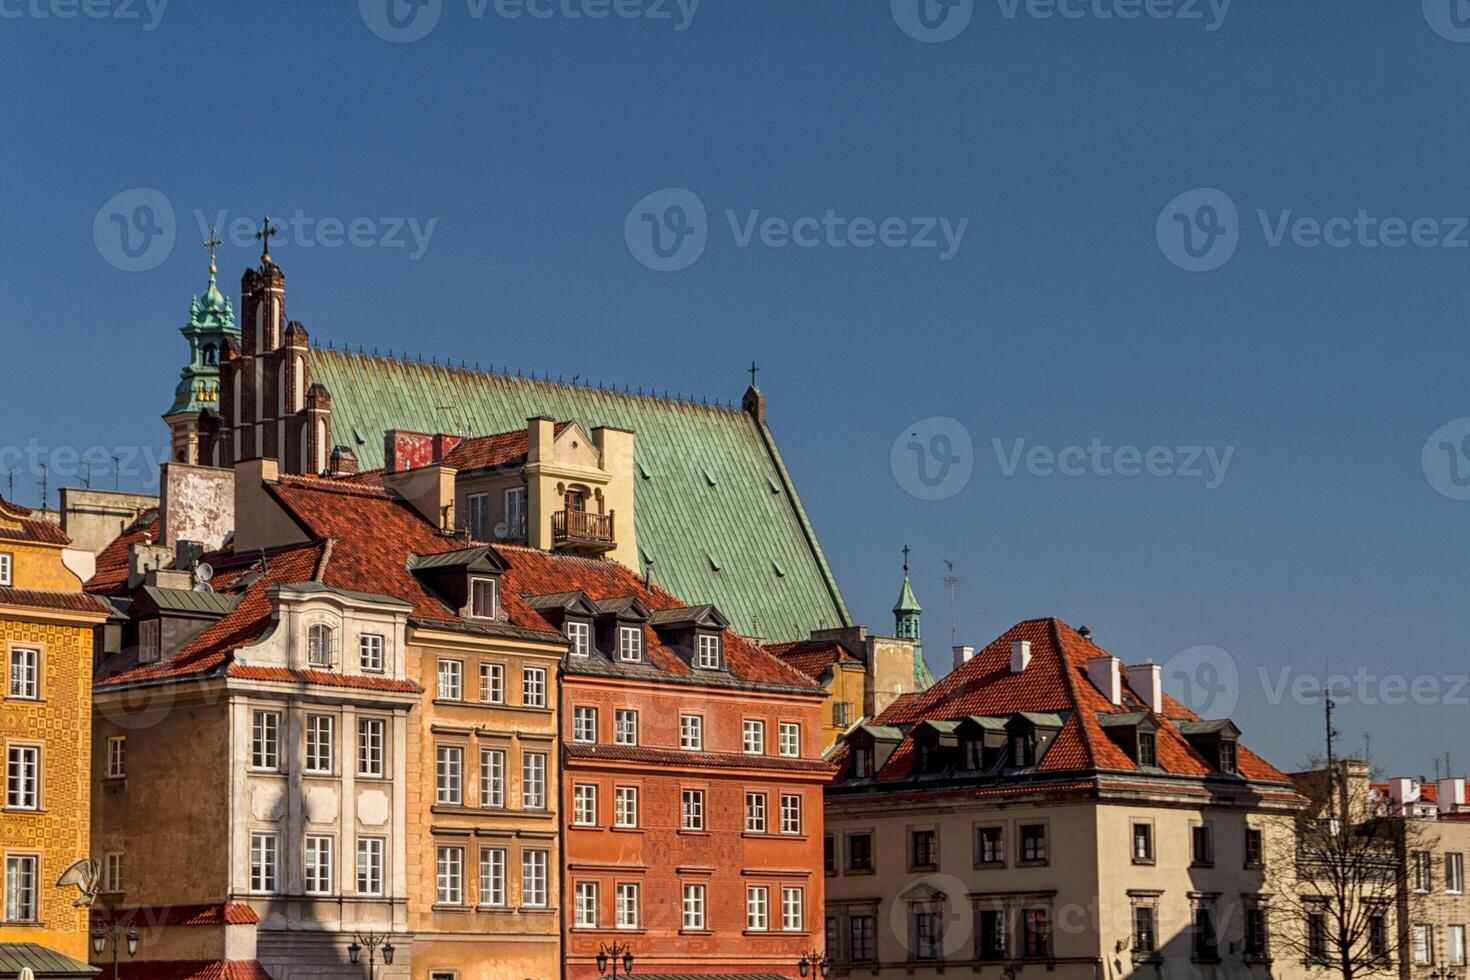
906, 613
194, 416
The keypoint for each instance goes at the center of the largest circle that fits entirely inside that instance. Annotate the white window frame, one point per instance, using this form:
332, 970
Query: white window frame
450, 680
23, 776
150, 641
533, 781
449, 875
117, 757
789, 739
535, 883
695, 908
585, 903
691, 733
492, 778
753, 736
22, 888
630, 644
515, 513
625, 807
493, 877
584, 805
449, 775
793, 909
757, 908
579, 636
629, 913
791, 822
625, 726
112, 872
321, 745
7, 569
1454, 944
371, 852
533, 687
691, 809
755, 813
372, 653
477, 516
265, 864
265, 741
372, 741
708, 651
25, 673
318, 655
492, 683
478, 586
320, 863
584, 724
1454, 873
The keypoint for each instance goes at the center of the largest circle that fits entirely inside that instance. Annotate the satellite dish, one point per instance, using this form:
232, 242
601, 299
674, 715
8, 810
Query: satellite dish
204, 572
203, 587
502, 531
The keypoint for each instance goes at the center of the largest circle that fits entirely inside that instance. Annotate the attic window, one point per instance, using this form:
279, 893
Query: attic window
1227, 755
710, 655
484, 598
320, 643
862, 761
579, 632
630, 644
1023, 749
150, 641
1148, 754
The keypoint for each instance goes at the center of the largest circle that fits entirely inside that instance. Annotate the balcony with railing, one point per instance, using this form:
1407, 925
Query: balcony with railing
582, 530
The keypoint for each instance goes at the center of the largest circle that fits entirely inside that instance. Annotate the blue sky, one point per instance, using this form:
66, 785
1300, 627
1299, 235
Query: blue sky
519, 146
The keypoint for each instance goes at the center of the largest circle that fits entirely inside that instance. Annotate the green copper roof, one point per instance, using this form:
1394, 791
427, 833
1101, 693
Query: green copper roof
717, 511
907, 601
211, 323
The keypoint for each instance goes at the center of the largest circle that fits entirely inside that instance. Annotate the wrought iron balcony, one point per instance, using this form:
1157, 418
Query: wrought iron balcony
582, 529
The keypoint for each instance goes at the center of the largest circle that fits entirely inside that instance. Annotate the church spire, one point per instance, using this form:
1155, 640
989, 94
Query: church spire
211, 324
906, 613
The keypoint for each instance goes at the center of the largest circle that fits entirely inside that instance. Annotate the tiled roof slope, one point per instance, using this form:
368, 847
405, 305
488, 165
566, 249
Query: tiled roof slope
710, 485
111, 576
489, 452
59, 601
194, 970
1055, 681
30, 528
813, 657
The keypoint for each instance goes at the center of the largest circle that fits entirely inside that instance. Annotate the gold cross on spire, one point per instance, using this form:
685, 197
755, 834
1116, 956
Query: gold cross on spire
266, 231
210, 244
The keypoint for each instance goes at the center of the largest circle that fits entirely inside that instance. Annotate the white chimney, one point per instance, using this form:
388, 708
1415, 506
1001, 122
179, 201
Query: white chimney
962, 656
1402, 791
1147, 681
1106, 674
1451, 795
1020, 655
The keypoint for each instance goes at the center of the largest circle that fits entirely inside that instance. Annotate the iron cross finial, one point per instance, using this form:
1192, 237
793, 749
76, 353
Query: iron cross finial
210, 244
267, 230
905, 559
754, 370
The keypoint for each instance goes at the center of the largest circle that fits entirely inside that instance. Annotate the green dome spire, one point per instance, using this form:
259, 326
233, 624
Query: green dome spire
211, 324
907, 601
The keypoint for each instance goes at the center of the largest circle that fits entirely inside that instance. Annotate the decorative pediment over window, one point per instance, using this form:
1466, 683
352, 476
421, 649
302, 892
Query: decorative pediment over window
922, 893
467, 580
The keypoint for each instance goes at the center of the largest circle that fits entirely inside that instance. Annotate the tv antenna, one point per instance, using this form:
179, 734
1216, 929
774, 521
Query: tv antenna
952, 583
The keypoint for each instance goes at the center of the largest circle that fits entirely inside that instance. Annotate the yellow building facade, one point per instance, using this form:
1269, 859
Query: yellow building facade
47, 626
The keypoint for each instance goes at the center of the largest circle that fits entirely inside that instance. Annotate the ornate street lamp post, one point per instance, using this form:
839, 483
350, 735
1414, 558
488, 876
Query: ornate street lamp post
371, 942
814, 963
118, 937
615, 955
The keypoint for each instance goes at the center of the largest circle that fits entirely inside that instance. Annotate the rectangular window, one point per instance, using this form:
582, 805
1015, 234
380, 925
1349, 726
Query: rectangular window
586, 905
790, 813
1317, 937
533, 687
1419, 870
757, 908
515, 512
265, 855
1206, 946
370, 865
7, 564
20, 888
477, 516
1035, 933
584, 805
1257, 943
862, 761
371, 733
1423, 945
691, 733
923, 849
23, 778
535, 891
793, 914
626, 811
691, 809
1255, 849
25, 673
1377, 935
859, 852
829, 856
319, 864
863, 939
1033, 843
451, 680
319, 741
492, 683
926, 935
117, 757
370, 653
754, 737
533, 781
579, 635
1145, 930
584, 724
1148, 750
1454, 873
841, 711
625, 727
755, 813
1202, 846
790, 739
492, 876
449, 775
450, 876
112, 873
694, 907
628, 917
484, 598
492, 778
630, 644
991, 938
150, 641
320, 644
1227, 755
709, 651
1454, 945
990, 846
1143, 843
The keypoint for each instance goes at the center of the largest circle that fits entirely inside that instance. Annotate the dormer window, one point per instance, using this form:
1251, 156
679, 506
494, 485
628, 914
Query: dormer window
630, 644
579, 635
974, 753
319, 646
484, 598
862, 761
1148, 749
1023, 749
150, 641
1227, 755
710, 651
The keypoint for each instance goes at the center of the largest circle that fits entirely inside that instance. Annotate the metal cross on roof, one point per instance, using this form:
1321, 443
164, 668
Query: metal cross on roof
210, 244
266, 231
905, 559
754, 370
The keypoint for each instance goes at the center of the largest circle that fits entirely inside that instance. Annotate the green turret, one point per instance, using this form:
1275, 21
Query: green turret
211, 325
906, 613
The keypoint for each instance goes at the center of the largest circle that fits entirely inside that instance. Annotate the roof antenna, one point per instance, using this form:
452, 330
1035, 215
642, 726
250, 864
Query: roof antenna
952, 583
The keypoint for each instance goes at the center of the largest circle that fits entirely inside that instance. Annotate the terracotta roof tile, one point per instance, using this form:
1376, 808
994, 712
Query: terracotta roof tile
194, 970
60, 601
38, 530
111, 577
812, 657
493, 451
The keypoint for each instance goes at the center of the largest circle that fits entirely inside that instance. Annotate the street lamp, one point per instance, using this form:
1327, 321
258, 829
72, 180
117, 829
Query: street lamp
813, 963
118, 937
1443, 973
614, 955
372, 941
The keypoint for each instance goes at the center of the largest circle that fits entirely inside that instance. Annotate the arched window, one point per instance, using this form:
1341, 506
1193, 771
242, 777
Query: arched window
320, 643
211, 358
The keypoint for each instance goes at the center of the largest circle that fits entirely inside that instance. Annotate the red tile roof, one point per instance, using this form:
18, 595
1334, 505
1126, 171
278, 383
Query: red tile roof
194, 970
111, 577
141, 917
60, 601
1055, 681
813, 657
37, 530
493, 451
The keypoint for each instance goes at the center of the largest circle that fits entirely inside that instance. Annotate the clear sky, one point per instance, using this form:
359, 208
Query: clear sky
1063, 145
